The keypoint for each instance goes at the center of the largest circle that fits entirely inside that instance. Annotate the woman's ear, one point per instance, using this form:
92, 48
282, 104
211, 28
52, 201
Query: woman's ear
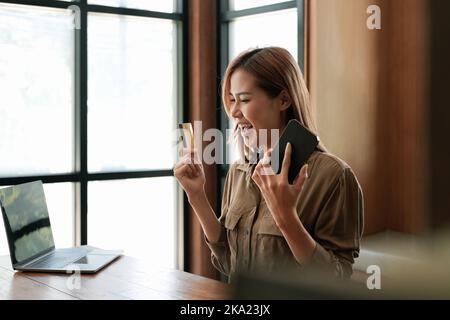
285, 100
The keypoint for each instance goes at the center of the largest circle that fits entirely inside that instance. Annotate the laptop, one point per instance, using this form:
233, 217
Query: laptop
30, 236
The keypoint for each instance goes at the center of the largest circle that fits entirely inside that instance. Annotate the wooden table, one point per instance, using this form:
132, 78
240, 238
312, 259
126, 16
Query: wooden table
126, 278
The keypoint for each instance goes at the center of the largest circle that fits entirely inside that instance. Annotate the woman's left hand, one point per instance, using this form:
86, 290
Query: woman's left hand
281, 197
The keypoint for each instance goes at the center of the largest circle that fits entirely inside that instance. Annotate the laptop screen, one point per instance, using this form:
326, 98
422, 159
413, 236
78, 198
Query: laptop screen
26, 220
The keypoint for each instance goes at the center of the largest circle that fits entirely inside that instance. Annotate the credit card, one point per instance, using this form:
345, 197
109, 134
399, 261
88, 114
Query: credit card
187, 135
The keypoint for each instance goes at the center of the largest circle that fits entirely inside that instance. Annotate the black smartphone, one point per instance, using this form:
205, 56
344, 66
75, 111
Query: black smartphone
303, 143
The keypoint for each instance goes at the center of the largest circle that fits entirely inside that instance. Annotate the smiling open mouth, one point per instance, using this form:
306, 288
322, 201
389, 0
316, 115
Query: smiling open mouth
246, 129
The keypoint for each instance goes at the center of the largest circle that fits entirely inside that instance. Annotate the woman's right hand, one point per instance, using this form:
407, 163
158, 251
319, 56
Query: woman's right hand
189, 173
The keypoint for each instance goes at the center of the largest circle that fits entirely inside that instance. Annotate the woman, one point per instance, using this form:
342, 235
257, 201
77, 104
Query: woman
266, 224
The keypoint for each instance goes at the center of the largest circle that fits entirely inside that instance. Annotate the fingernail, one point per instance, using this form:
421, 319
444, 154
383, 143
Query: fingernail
306, 171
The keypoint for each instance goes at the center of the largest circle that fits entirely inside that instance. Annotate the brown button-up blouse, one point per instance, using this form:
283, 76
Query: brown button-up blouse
330, 208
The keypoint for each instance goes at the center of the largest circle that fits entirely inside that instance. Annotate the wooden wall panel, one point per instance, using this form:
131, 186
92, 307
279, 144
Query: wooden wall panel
439, 113
202, 101
403, 113
343, 76
368, 90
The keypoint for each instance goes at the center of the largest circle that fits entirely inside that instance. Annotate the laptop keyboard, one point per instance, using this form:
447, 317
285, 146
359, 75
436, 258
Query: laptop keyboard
54, 260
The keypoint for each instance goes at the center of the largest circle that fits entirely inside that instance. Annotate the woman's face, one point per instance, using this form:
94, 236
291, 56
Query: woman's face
254, 110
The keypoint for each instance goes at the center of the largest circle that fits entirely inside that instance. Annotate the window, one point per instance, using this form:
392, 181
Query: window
278, 28
154, 5
37, 95
246, 4
136, 216
278, 23
37, 105
90, 110
132, 92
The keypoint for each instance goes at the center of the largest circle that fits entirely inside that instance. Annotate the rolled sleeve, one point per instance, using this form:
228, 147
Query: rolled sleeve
220, 253
339, 228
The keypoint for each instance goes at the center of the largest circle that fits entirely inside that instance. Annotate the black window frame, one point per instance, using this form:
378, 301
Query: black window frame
81, 176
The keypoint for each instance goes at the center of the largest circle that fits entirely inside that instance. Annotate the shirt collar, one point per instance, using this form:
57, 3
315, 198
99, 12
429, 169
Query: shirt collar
246, 167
